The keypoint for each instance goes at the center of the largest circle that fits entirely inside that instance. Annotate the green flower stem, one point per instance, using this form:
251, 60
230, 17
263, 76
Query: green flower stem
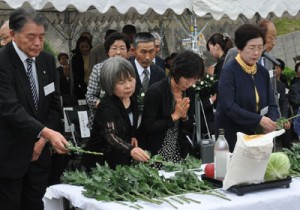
80, 150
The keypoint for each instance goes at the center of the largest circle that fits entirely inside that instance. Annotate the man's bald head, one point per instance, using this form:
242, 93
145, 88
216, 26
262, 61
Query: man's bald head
5, 33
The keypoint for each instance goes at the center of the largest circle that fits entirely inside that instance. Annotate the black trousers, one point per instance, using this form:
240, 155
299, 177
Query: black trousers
26, 193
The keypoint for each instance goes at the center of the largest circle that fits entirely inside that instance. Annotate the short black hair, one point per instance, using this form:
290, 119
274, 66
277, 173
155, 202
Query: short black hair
282, 64
130, 31
143, 37
109, 32
187, 64
113, 37
21, 16
247, 32
61, 55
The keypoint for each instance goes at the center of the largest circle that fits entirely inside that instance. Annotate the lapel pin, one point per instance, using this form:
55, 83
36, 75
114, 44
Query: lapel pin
44, 72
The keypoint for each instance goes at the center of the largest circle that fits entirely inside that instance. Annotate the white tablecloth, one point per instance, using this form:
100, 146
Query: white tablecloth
274, 198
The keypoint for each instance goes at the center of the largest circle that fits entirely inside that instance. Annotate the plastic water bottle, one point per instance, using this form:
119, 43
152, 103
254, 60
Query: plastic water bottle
221, 150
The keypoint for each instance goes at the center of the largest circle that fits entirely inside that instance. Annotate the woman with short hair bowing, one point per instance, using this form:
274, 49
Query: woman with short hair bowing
115, 121
169, 108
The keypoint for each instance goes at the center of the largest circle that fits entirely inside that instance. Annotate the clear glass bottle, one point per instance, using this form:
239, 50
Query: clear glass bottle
221, 150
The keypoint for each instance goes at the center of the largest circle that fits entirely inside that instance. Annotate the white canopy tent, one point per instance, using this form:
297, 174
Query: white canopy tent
216, 8
66, 15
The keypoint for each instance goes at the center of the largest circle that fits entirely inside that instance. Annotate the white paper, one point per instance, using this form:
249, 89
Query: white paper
67, 126
250, 159
81, 102
49, 88
83, 121
264, 111
271, 73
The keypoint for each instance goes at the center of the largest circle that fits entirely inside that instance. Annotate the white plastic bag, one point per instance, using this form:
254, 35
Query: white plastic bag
249, 159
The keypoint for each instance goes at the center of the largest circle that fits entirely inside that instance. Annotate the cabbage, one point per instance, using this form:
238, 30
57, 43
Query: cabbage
278, 166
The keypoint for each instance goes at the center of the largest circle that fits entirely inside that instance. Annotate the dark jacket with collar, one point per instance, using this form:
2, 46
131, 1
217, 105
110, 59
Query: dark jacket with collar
236, 110
156, 74
112, 133
156, 120
20, 123
160, 62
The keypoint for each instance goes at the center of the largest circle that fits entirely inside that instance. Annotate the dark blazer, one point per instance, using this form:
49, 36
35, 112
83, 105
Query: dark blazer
236, 110
20, 123
77, 67
160, 62
156, 120
112, 133
283, 99
65, 85
156, 75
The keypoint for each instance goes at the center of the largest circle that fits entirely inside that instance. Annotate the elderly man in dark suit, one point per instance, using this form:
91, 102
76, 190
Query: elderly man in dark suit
29, 113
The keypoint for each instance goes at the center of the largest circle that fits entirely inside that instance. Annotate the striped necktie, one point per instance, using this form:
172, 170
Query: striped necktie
32, 83
145, 81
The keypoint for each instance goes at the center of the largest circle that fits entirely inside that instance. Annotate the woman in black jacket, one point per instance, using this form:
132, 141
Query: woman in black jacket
168, 114
115, 122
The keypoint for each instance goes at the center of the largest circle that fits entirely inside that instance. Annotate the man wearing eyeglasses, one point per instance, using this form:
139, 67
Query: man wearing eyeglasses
5, 34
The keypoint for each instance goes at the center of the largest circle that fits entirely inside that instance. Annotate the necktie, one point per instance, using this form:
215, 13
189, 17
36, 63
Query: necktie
32, 83
145, 81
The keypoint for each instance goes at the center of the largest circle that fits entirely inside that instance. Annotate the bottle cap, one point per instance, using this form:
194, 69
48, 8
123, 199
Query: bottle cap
221, 131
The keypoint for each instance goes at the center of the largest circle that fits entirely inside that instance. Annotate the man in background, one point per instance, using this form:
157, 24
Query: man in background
130, 31
158, 60
5, 34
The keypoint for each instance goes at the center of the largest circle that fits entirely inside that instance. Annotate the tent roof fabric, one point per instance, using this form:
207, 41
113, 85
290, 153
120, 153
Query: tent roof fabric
216, 8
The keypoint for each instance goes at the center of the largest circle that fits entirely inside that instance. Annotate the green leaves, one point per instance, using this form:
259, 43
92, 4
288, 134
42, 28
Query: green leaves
189, 162
77, 149
294, 157
139, 182
281, 121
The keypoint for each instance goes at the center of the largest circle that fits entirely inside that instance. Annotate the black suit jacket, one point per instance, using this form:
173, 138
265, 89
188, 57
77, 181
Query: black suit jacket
160, 62
156, 74
20, 123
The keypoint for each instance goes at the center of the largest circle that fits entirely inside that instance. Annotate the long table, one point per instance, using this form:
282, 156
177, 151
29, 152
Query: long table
273, 198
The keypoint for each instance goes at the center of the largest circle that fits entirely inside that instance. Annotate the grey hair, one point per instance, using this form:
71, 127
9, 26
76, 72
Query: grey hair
22, 16
113, 70
156, 36
142, 37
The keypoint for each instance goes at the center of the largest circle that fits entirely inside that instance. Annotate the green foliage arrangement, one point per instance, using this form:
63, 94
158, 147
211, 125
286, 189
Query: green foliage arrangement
127, 184
294, 157
289, 73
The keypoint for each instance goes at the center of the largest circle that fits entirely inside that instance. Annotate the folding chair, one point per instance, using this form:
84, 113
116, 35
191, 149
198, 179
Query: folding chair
77, 119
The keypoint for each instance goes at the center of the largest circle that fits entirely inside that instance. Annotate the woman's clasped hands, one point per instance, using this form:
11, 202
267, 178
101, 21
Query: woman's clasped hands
181, 108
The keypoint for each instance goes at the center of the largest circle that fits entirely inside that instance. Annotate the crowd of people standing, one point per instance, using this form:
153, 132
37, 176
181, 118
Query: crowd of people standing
139, 102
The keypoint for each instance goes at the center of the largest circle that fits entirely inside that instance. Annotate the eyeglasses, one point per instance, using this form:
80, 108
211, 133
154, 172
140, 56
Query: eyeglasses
115, 49
254, 48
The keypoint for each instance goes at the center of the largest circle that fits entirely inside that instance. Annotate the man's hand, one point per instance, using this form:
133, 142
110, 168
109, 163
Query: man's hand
38, 148
57, 140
